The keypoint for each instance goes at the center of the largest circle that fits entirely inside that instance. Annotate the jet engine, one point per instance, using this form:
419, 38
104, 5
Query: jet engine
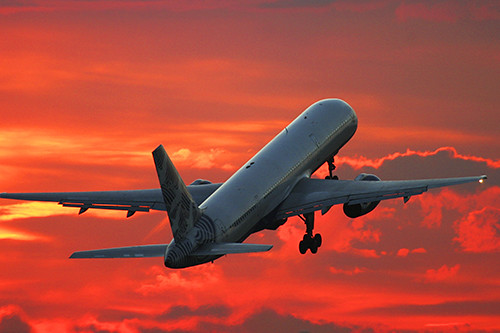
361, 209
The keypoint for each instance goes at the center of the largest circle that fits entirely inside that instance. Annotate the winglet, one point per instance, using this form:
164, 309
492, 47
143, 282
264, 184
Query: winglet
183, 212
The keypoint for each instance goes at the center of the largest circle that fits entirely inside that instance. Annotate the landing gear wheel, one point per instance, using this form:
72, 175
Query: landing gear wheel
318, 240
308, 241
314, 248
302, 247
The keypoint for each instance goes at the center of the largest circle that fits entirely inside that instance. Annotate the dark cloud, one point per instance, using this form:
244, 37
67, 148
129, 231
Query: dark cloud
14, 324
296, 4
441, 164
458, 308
93, 328
268, 320
18, 3
180, 311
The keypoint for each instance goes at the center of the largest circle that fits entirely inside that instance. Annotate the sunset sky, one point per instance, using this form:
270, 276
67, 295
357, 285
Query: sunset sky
89, 88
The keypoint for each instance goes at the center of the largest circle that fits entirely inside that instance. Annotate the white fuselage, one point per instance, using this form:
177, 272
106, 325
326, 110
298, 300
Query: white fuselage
262, 183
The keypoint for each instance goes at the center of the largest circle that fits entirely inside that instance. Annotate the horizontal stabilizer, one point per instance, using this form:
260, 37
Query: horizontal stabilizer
142, 251
230, 248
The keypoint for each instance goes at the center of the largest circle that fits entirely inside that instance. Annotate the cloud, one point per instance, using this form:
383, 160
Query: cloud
13, 234
26, 6
359, 6
27, 210
479, 231
355, 271
12, 320
201, 159
448, 11
361, 162
304, 4
268, 320
452, 308
181, 311
403, 252
441, 274
196, 278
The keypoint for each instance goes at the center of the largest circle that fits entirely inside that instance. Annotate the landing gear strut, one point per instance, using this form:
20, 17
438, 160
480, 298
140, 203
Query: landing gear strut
308, 241
331, 167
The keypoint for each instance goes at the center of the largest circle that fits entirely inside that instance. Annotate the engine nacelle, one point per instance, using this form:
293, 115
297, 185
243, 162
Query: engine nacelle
201, 182
361, 209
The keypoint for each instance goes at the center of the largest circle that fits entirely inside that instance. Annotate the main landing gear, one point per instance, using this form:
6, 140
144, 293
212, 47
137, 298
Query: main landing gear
309, 242
331, 167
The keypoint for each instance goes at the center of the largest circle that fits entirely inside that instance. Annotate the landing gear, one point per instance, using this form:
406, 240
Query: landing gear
309, 241
331, 167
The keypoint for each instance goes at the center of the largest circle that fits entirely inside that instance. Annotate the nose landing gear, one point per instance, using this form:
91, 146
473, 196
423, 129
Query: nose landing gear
309, 241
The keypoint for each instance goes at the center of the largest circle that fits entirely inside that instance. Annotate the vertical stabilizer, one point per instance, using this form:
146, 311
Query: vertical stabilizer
182, 210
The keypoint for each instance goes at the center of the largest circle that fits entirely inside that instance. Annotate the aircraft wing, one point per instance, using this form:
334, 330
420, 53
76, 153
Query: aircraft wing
130, 201
310, 195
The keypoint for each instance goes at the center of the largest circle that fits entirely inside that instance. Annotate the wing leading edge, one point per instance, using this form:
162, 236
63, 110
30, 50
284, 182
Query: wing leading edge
311, 195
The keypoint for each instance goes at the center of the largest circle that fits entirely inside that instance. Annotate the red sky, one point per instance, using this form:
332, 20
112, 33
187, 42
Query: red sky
89, 88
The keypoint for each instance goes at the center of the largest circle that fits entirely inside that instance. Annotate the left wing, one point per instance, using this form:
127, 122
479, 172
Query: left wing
131, 201
310, 195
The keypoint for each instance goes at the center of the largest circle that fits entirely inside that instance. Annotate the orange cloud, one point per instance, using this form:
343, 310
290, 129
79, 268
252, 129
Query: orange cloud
419, 250
441, 274
403, 252
35, 209
478, 231
355, 271
12, 234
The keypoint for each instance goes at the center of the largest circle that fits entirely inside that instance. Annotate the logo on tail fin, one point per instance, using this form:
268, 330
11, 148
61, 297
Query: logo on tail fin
183, 212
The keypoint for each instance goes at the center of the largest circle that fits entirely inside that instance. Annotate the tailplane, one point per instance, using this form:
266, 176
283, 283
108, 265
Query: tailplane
183, 212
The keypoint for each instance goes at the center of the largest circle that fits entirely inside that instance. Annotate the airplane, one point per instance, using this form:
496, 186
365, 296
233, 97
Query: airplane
210, 220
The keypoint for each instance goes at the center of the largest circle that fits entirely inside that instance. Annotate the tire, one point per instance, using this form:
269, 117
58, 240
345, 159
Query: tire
318, 240
302, 247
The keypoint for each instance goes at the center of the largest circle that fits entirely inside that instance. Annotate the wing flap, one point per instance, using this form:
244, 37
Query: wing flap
141, 251
230, 248
310, 195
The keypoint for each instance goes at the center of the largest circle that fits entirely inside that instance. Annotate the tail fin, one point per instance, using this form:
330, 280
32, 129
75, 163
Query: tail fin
183, 212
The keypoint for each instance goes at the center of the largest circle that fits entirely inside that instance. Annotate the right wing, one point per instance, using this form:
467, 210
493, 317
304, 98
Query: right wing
310, 195
130, 201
